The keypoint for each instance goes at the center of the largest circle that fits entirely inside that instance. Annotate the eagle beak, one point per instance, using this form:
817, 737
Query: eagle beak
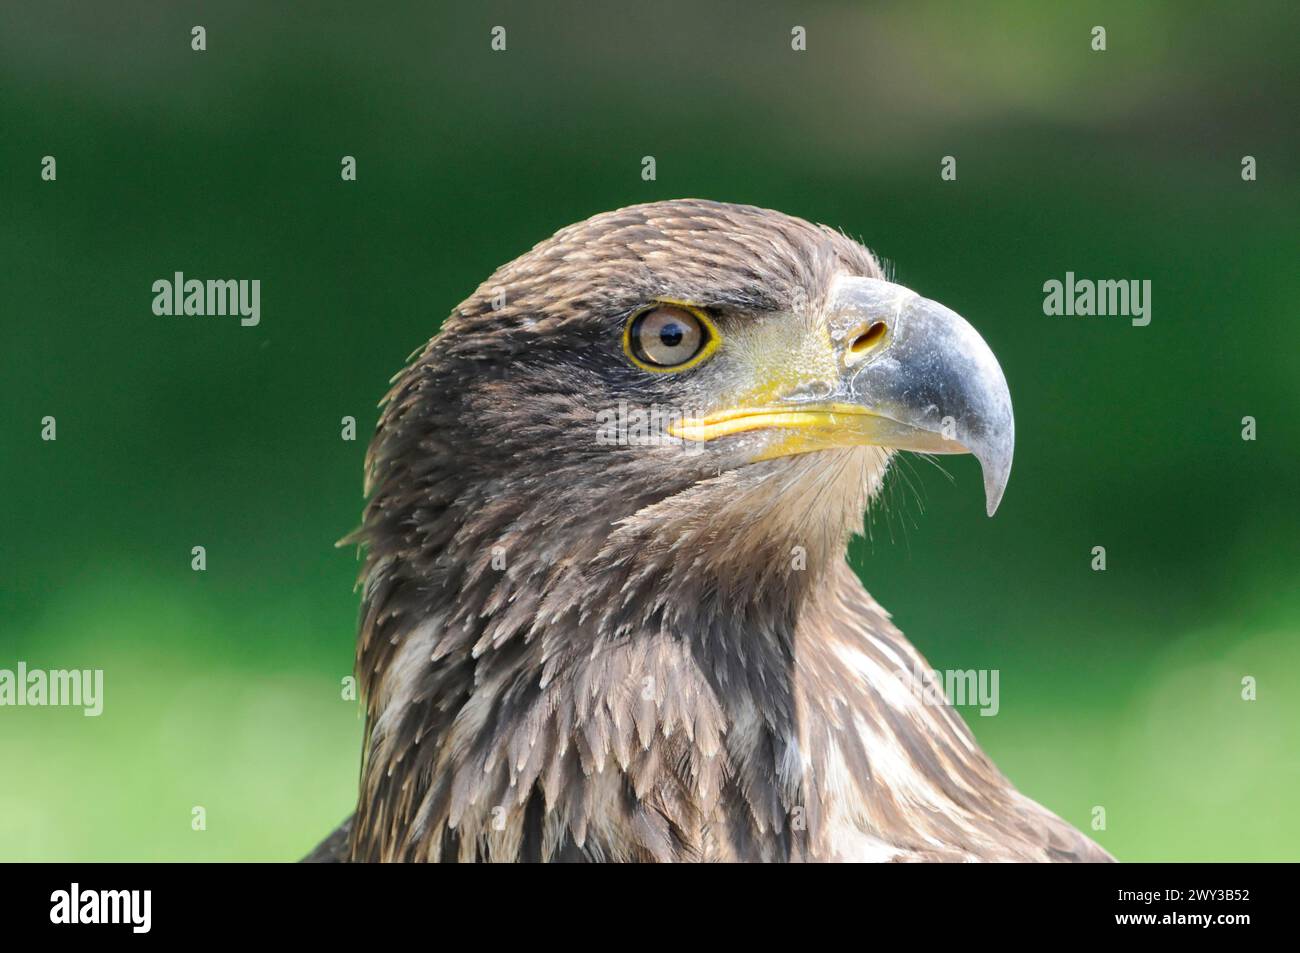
903, 372
927, 370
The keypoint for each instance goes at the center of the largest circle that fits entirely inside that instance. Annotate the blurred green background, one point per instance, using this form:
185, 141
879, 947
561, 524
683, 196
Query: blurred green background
1119, 689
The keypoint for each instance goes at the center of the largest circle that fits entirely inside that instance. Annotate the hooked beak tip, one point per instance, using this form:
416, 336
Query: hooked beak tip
993, 490
994, 455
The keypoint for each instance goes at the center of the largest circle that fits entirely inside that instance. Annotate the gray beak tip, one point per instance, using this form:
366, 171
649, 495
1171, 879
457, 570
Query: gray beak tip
993, 496
995, 462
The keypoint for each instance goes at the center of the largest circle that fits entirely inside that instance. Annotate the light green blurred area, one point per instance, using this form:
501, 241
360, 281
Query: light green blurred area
264, 746
1120, 690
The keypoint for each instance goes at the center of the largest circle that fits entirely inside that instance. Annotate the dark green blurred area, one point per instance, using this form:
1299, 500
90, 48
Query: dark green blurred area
1119, 689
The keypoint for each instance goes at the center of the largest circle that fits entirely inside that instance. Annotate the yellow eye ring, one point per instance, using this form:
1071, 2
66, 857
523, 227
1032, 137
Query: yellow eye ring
636, 352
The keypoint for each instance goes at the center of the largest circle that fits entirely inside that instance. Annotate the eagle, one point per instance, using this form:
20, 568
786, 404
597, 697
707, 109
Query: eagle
607, 612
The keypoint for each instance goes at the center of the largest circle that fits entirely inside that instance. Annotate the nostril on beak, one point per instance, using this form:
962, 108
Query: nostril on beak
866, 341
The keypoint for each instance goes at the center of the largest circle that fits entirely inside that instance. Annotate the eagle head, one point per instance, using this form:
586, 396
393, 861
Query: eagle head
608, 510
677, 360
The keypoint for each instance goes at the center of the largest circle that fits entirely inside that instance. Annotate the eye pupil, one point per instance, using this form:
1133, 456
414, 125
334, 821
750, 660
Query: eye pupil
672, 335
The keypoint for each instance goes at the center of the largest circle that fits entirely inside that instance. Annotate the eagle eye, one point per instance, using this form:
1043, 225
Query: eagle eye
669, 337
